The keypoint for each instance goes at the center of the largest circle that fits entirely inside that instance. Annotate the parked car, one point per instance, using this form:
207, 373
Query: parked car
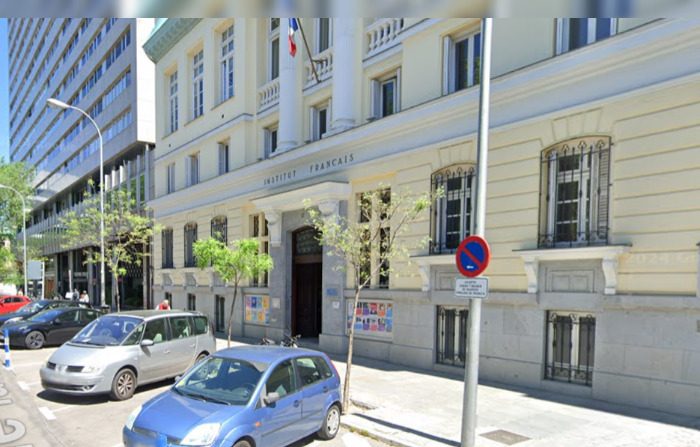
120, 351
49, 327
35, 307
241, 397
12, 303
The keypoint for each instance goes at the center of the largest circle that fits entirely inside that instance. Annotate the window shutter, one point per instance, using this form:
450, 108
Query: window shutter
603, 193
447, 65
397, 91
375, 102
188, 179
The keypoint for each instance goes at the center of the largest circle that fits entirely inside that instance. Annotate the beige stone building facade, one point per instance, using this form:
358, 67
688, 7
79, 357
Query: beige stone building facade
592, 208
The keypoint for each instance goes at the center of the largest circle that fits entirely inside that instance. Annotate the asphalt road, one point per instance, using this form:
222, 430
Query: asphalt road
31, 416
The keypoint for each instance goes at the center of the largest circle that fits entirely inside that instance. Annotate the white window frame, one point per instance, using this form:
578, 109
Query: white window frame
170, 186
314, 120
317, 33
441, 212
449, 68
271, 36
227, 64
192, 169
198, 84
575, 338
268, 131
174, 109
563, 30
376, 100
224, 157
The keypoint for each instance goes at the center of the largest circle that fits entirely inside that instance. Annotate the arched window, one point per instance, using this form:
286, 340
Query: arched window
452, 214
574, 190
190, 238
166, 241
219, 229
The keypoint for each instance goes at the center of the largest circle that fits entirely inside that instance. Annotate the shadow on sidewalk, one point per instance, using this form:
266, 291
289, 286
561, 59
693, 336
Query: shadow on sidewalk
408, 430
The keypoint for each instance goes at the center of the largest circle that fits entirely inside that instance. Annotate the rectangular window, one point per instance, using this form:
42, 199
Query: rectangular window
171, 178
451, 336
462, 62
219, 312
167, 248
259, 230
575, 202
323, 41
320, 118
192, 167
173, 103
573, 33
452, 215
219, 229
227, 50
372, 210
190, 238
570, 347
270, 141
198, 84
223, 158
274, 58
191, 302
386, 95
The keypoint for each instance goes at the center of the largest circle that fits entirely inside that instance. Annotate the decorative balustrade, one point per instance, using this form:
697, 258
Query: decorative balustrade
382, 34
269, 94
324, 67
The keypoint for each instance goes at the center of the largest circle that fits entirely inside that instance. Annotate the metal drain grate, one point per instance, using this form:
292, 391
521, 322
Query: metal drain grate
505, 437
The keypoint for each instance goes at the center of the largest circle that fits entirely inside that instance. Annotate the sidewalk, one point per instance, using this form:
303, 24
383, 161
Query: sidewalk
412, 408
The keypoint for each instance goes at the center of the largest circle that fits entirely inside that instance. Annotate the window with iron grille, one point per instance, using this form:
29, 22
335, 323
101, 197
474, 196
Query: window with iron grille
219, 230
451, 335
575, 193
191, 302
570, 347
167, 248
369, 206
452, 214
190, 238
219, 310
259, 230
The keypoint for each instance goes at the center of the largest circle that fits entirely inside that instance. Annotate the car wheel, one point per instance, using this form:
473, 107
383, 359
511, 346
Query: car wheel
242, 443
331, 424
34, 340
123, 385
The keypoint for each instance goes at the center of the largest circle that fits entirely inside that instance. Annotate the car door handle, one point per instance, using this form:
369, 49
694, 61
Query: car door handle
297, 403
325, 389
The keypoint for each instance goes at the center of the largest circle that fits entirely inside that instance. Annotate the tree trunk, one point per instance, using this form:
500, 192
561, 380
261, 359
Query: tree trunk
230, 315
348, 364
115, 289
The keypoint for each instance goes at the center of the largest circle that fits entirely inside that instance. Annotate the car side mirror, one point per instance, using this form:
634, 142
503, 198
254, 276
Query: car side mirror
271, 398
146, 342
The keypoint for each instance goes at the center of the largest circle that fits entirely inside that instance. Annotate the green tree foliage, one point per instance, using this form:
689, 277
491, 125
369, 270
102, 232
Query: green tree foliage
19, 176
9, 274
368, 244
241, 262
128, 231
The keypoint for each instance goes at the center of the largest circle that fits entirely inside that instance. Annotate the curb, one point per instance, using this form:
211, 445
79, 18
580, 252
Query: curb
373, 435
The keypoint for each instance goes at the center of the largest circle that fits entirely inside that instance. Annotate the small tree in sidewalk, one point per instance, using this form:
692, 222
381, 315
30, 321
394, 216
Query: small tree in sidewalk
242, 262
368, 244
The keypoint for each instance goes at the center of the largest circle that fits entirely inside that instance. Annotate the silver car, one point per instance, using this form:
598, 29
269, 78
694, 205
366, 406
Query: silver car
117, 352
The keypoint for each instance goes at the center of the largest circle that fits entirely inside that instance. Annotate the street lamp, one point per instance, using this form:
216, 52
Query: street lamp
24, 232
57, 104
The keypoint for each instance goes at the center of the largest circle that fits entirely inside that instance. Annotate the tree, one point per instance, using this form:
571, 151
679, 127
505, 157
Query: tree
18, 176
368, 245
9, 274
128, 232
243, 261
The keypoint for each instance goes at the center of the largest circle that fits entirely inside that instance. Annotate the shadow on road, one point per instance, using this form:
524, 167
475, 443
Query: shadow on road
68, 399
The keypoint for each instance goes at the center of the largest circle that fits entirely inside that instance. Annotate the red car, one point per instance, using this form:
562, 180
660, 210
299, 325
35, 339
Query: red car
11, 303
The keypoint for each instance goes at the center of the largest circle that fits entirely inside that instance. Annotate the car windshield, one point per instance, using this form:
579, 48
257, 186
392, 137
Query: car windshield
108, 330
46, 315
31, 308
221, 380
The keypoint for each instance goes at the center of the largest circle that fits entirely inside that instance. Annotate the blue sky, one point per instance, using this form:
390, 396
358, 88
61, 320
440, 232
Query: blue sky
4, 101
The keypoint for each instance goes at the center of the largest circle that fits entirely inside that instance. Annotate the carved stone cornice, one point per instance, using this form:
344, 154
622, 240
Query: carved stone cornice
166, 36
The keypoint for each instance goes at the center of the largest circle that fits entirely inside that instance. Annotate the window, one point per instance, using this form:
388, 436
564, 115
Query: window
219, 310
155, 330
198, 84
574, 196
452, 218
191, 302
201, 325
282, 380
462, 62
171, 178
372, 209
570, 347
192, 169
320, 117
190, 238
219, 230
323, 33
312, 370
386, 95
223, 158
452, 335
274, 49
227, 63
167, 248
270, 141
180, 326
259, 230
173, 102
72, 316
576, 33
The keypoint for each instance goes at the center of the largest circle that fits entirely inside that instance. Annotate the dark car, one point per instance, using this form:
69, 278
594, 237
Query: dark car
49, 327
35, 307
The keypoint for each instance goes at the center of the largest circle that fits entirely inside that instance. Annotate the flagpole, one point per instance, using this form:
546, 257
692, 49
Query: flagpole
308, 51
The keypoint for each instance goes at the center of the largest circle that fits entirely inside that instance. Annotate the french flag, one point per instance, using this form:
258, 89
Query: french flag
293, 28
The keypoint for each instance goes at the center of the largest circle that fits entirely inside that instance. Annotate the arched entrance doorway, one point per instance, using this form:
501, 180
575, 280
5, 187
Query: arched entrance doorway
307, 272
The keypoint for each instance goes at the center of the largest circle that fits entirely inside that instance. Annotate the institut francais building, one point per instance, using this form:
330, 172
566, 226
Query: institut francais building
593, 189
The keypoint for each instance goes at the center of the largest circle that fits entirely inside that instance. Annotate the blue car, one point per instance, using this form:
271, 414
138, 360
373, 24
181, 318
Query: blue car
257, 396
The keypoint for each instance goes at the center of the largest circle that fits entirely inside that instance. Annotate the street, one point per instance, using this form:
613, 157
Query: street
40, 418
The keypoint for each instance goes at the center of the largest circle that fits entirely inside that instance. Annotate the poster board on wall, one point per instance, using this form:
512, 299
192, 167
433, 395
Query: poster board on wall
375, 318
257, 309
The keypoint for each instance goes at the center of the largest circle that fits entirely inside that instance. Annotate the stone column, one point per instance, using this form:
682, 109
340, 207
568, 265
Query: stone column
290, 91
345, 63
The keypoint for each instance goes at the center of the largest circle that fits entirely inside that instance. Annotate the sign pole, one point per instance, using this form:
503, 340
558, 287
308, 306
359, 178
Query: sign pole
471, 371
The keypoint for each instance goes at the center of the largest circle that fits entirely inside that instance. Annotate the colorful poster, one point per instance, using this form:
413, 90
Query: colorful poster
372, 318
257, 309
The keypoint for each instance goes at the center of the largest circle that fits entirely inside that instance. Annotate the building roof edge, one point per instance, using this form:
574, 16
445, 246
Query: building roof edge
166, 35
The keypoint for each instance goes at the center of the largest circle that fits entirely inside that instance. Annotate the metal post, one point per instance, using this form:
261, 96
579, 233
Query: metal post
24, 232
471, 370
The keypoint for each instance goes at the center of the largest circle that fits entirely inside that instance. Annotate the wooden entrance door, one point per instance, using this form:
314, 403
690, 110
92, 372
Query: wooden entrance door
306, 287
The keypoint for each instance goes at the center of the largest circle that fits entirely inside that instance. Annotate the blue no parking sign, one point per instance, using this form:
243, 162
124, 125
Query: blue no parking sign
472, 257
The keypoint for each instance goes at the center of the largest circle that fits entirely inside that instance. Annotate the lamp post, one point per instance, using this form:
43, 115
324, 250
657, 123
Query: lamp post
24, 232
55, 103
